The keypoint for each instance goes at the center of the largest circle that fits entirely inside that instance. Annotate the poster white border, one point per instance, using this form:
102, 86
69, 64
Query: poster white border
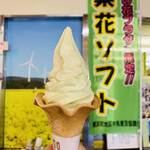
122, 141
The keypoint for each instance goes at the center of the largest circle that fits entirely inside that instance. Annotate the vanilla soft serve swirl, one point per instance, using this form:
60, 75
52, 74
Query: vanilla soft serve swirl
68, 81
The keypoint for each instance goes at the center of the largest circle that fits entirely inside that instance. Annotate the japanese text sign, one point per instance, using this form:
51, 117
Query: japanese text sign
114, 65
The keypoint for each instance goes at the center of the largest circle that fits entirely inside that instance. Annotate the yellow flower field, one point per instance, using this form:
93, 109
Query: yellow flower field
24, 120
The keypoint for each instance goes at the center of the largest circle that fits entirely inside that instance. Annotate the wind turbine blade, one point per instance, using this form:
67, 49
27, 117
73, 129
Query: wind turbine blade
24, 64
32, 57
34, 67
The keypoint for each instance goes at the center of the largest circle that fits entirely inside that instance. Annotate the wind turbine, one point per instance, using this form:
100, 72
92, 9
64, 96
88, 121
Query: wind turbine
30, 64
44, 74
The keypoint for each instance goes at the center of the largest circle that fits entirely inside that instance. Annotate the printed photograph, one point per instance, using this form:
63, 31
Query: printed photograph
32, 42
149, 132
146, 92
146, 67
146, 110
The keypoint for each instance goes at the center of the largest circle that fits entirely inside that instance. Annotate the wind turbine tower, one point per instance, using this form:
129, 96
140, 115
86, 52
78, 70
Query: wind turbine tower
45, 74
30, 64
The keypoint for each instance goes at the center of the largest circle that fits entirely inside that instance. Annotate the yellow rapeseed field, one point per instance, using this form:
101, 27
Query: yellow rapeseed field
24, 120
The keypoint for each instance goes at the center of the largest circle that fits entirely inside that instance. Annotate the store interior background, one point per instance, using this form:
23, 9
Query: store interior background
66, 8
50, 7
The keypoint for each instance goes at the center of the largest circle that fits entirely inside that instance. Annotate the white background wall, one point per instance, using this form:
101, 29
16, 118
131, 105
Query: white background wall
145, 8
41, 7
53, 7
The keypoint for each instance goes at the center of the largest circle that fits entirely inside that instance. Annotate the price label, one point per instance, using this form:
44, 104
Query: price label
4, 45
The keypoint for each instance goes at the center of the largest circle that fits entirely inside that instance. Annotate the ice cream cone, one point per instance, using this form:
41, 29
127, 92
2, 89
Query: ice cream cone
63, 123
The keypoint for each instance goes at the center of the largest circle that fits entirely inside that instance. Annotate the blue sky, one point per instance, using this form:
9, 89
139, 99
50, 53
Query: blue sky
39, 36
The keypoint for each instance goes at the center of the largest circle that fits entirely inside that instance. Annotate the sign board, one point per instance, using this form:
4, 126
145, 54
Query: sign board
122, 141
114, 65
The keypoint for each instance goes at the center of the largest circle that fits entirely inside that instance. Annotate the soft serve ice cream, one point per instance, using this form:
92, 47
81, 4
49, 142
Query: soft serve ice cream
68, 84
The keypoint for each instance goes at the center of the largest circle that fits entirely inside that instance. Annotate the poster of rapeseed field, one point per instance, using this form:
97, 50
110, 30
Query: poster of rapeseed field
32, 42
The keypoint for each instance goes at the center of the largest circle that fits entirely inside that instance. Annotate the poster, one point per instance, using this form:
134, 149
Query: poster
114, 65
145, 133
146, 86
122, 141
29, 60
146, 98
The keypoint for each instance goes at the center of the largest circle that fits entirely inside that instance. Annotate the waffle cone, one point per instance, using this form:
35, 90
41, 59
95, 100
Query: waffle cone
63, 123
